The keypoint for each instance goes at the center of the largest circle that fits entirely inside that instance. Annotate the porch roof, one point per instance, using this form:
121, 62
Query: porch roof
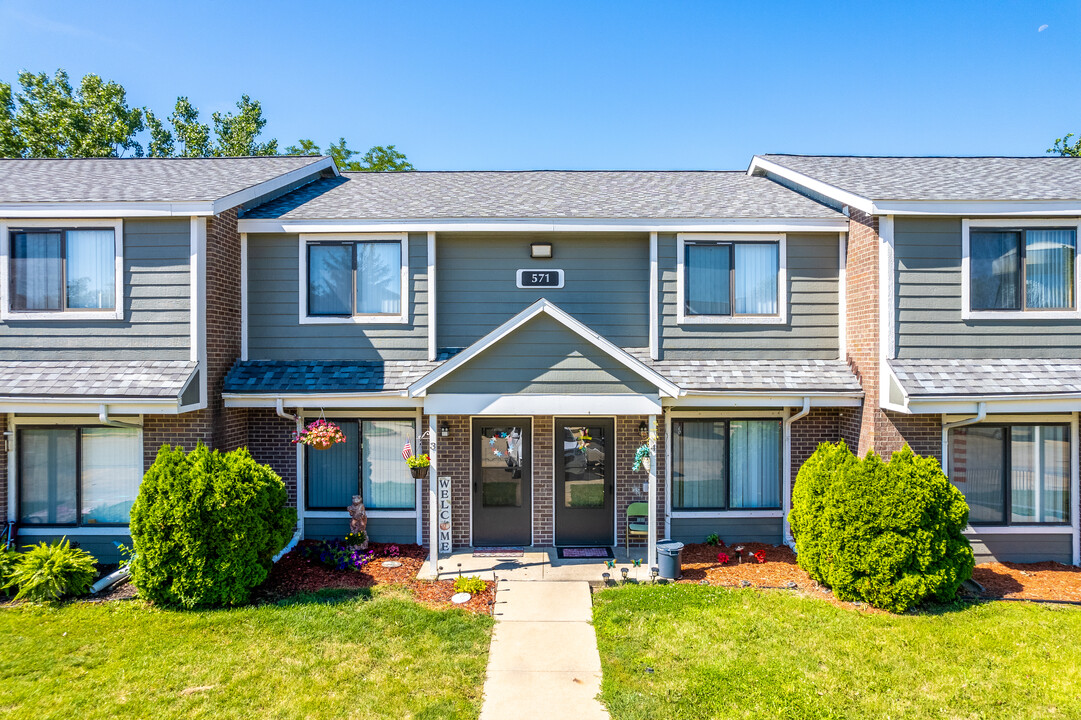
319, 376
157, 379
752, 375
952, 377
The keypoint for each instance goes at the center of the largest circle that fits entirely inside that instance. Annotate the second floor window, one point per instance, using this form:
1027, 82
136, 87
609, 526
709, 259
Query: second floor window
59, 270
354, 278
1022, 269
730, 278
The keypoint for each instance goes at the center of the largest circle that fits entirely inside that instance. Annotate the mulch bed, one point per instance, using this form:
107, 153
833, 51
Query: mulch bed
295, 574
1029, 581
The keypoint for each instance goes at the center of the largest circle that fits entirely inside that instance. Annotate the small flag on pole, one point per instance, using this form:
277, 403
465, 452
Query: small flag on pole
407, 451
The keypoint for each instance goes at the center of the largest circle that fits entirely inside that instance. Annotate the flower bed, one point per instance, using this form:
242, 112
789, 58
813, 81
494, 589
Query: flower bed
1029, 581
297, 573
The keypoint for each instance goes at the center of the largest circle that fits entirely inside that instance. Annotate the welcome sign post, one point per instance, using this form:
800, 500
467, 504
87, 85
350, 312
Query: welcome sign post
444, 513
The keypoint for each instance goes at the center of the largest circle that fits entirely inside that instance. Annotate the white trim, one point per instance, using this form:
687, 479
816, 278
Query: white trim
518, 278
781, 318
1001, 404
1015, 419
1018, 530
520, 405
433, 499
721, 400
886, 327
89, 406
400, 318
357, 414
344, 514
1075, 487
198, 305
276, 183
731, 514
244, 324
652, 500
12, 507
1021, 316
786, 469
117, 313
1065, 208
361, 225
321, 400
70, 531
842, 296
725, 413
665, 386
433, 347
654, 310
760, 165
668, 474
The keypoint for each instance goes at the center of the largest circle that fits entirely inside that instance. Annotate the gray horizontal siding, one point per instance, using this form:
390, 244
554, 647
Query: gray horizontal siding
543, 357
731, 530
606, 283
1022, 548
812, 328
156, 324
386, 530
102, 547
927, 254
274, 329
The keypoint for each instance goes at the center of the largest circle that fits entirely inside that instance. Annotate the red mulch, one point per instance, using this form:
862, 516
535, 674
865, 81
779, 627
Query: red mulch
295, 574
1029, 581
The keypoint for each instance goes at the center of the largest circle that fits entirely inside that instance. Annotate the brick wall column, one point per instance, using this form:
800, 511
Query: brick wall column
629, 483
543, 481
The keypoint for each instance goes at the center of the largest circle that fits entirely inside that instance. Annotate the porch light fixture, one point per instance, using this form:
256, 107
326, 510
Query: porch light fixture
540, 250
444, 430
643, 428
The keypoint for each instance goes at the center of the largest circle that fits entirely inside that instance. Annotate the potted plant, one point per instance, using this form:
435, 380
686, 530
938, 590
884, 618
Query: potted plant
641, 458
419, 465
320, 435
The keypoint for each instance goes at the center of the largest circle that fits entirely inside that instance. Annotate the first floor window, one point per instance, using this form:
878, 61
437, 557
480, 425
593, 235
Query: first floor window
1012, 473
57, 270
369, 463
726, 464
735, 278
1022, 269
355, 278
78, 476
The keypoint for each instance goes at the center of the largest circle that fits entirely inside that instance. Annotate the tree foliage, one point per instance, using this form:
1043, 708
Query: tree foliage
47, 117
1065, 148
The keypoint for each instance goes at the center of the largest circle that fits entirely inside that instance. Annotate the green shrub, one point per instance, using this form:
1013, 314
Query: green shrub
7, 566
206, 526
469, 584
888, 534
50, 572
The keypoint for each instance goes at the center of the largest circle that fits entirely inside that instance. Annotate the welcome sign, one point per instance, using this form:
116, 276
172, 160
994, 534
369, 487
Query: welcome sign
442, 490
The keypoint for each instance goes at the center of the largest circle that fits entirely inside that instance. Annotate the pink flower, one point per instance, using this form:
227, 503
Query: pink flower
722, 558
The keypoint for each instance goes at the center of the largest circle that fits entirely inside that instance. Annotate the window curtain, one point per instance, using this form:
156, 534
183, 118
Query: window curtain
1049, 268
91, 269
38, 271
333, 473
379, 278
707, 278
755, 474
386, 479
699, 458
756, 278
977, 468
47, 477
112, 468
330, 280
1040, 476
994, 270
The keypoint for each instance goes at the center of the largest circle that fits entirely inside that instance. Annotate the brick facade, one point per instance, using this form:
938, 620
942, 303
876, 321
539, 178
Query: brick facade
818, 426
269, 442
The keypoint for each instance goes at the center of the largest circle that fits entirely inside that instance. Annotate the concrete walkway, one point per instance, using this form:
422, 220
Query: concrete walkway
536, 564
544, 662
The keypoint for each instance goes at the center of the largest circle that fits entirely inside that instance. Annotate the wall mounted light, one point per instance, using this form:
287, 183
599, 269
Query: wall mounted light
444, 430
540, 250
643, 428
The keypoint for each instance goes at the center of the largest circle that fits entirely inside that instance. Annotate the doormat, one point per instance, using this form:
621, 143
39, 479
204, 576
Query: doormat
498, 552
570, 553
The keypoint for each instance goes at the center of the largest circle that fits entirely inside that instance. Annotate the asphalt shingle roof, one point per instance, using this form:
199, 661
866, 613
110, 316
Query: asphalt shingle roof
324, 376
943, 178
81, 378
949, 377
138, 179
542, 194
742, 375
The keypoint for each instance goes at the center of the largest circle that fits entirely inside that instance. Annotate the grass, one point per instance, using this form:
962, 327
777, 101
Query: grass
698, 652
332, 655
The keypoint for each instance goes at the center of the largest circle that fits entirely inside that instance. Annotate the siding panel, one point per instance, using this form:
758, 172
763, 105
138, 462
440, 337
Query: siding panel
1022, 548
385, 530
731, 530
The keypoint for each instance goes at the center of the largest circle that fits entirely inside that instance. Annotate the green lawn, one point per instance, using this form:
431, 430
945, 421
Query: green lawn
334, 655
720, 653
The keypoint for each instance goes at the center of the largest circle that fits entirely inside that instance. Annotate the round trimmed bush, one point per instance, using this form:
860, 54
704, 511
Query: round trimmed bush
206, 526
890, 534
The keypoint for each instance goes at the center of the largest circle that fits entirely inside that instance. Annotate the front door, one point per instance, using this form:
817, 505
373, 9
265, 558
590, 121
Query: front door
585, 452
502, 489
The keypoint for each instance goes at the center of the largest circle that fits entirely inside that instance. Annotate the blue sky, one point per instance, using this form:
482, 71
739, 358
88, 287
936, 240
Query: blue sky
516, 85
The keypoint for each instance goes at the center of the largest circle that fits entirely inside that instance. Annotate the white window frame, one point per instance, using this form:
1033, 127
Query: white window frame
781, 318
401, 318
116, 313
1024, 316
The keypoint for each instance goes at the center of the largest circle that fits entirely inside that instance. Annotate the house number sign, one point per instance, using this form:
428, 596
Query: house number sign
531, 278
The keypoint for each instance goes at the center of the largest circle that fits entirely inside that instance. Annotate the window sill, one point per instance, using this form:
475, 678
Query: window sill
344, 514
1021, 315
31, 530
1056, 529
688, 514
61, 316
356, 320
730, 320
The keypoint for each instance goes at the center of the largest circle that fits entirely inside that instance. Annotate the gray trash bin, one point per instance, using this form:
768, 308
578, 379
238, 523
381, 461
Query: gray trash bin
670, 559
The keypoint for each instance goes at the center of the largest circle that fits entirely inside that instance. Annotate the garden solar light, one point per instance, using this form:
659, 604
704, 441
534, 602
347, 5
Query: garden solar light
624, 571
607, 577
654, 572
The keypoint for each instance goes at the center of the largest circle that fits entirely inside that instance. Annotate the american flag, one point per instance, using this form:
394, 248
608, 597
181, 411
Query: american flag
407, 451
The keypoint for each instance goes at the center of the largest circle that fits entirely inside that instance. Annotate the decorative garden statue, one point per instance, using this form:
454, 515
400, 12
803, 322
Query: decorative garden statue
359, 520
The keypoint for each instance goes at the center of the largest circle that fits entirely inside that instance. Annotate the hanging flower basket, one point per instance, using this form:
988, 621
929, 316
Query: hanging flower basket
641, 458
419, 473
320, 434
419, 465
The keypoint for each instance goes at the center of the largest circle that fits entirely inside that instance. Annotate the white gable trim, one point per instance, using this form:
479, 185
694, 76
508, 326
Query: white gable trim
665, 225
665, 386
760, 165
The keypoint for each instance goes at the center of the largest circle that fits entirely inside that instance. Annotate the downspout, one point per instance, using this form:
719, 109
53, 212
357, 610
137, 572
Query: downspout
103, 418
786, 529
981, 413
280, 409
